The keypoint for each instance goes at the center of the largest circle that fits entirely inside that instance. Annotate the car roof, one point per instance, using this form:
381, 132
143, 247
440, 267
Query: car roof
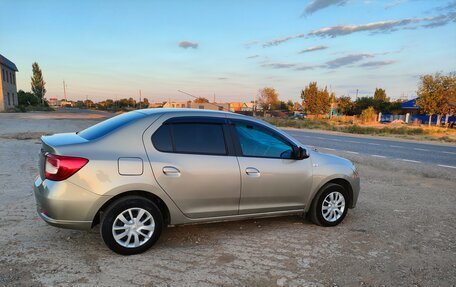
186, 111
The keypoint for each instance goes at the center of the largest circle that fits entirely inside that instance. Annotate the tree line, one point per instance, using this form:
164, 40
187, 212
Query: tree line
436, 95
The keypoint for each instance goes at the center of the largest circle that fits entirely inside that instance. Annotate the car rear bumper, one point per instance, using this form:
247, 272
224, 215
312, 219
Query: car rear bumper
66, 205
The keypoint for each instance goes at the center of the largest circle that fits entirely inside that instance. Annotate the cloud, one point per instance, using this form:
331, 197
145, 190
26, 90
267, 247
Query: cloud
278, 65
347, 60
305, 68
187, 44
253, 57
251, 43
312, 49
316, 5
279, 41
440, 20
377, 64
222, 78
387, 26
382, 26
394, 3
450, 6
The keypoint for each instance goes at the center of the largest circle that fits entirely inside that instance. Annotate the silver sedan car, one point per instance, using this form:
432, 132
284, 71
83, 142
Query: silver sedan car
138, 172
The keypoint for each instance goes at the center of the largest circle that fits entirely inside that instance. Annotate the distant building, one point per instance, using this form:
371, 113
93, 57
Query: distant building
201, 106
53, 102
410, 107
66, 104
155, 105
8, 88
56, 103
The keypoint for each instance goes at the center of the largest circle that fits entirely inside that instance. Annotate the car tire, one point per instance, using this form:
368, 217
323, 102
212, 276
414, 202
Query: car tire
131, 225
330, 205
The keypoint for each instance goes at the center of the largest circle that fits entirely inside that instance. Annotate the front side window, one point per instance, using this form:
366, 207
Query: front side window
192, 138
256, 141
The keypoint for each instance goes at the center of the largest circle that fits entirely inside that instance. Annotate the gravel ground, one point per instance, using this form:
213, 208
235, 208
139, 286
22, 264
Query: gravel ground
401, 233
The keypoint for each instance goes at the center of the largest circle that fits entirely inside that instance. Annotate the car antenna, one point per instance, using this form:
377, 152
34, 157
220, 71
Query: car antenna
188, 94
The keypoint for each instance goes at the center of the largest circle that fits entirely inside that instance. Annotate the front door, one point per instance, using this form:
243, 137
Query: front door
271, 179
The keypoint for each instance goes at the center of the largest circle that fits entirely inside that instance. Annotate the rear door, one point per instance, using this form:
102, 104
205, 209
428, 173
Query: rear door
271, 179
193, 160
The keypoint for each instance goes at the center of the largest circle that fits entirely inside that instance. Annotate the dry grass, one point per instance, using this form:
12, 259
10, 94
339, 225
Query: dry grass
351, 125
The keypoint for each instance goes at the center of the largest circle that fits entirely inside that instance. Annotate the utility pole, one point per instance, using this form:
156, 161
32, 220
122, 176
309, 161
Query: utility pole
140, 98
214, 98
87, 101
64, 90
254, 105
356, 94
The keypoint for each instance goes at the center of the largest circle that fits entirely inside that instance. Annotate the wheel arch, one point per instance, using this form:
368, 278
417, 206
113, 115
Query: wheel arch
347, 186
154, 198
340, 181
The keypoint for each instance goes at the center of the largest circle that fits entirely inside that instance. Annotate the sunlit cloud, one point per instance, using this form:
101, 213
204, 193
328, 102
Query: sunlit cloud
347, 60
188, 44
278, 65
377, 64
279, 41
387, 26
312, 49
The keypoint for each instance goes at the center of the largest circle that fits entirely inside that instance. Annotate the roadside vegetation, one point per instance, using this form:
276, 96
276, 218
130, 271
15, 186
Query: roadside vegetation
347, 126
34, 100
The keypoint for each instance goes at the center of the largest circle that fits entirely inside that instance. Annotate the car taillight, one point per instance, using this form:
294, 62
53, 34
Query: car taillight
59, 167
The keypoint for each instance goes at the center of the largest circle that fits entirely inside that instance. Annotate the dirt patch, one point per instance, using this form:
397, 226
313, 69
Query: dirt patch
24, 136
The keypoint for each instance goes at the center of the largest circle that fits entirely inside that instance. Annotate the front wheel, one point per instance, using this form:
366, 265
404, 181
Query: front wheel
131, 225
329, 206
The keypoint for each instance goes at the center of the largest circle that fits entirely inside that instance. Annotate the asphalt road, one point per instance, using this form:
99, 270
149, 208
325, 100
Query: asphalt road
415, 153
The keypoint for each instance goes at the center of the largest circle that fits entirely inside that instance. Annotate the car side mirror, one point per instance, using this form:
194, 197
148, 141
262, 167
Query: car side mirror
300, 153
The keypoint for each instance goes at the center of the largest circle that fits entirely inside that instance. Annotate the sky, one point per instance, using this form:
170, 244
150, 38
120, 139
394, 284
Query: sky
228, 49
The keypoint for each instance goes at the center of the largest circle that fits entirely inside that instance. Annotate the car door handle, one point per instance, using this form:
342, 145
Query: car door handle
171, 171
251, 171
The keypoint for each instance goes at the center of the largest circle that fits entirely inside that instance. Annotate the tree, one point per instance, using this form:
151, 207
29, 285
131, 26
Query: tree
269, 98
437, 94
344, 105
145, 103
290, 105
380, 95
200, 100
315, 100
38, 82
27, 99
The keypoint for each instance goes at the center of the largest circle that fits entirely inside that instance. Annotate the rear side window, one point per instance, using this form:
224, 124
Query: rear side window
109, 125
162, 139
193, 138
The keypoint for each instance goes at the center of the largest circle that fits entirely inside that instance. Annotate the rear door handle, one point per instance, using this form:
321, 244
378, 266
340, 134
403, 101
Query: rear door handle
251, 171
171, 171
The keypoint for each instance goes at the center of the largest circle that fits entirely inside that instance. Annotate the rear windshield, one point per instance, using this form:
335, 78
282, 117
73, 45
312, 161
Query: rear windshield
109, 125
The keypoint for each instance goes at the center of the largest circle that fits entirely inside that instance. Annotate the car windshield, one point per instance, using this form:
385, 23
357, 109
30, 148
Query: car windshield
109, 125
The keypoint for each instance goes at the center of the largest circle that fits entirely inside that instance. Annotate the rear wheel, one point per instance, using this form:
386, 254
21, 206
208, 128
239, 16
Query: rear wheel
131, 225
329, 206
